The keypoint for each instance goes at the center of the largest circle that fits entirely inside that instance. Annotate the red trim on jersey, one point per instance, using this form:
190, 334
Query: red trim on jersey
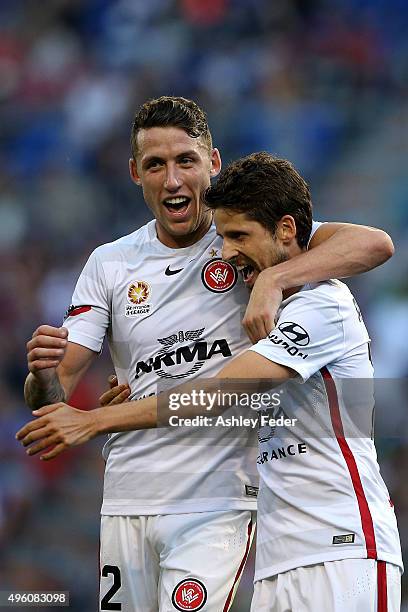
241, 567
382, 605
365, 514
78, 310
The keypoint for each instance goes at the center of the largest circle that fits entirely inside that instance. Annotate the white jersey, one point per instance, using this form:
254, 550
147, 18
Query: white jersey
170, 315
321, 494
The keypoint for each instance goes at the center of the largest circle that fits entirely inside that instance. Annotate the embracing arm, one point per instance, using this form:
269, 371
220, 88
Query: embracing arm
143, 414
337, 250
62, 426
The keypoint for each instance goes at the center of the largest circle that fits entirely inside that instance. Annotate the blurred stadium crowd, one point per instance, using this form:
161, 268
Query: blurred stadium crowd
323, 83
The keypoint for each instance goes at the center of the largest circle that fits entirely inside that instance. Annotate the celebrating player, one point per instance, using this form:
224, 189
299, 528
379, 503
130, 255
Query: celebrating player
327, 533
176, 514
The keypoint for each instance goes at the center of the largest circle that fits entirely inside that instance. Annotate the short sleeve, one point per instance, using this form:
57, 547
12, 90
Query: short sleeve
315, 226
309, 333
88, 317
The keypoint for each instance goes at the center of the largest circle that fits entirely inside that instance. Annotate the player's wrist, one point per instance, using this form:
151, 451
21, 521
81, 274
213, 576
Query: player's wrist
43, 379
99, 422
274, 277
35, 389
41, 390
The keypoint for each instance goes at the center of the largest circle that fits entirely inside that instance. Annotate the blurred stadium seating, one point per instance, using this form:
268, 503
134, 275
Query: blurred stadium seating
322, 83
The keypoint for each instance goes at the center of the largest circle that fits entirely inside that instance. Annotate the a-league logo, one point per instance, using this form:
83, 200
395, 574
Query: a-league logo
189, 594
138, 295
138, 292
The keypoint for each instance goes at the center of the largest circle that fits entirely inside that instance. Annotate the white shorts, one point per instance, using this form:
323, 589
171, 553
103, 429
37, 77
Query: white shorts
350, 585
173, 562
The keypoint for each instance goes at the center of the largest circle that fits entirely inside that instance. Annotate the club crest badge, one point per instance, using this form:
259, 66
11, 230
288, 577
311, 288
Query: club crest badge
189, 594
219, 276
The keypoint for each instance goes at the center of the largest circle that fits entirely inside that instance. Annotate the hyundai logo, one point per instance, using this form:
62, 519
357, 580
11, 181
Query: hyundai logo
295, 333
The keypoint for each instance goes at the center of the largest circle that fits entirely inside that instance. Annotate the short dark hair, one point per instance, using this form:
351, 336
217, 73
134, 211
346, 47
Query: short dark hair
171, 111
265, 188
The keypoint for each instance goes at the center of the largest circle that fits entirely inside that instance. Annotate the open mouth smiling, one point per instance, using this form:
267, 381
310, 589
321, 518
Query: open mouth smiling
247, 272
177, 205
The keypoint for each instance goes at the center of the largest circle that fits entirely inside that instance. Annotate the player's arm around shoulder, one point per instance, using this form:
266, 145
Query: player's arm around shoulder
367, 247
55, 366
336, 250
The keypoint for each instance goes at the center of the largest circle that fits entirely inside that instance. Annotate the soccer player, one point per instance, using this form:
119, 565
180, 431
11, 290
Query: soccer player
327, 533
176, 514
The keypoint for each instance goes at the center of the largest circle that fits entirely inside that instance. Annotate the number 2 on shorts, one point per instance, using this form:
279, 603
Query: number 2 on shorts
105, 603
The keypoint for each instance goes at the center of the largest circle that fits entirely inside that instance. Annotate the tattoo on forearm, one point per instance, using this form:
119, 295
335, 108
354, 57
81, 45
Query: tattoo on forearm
37, 396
